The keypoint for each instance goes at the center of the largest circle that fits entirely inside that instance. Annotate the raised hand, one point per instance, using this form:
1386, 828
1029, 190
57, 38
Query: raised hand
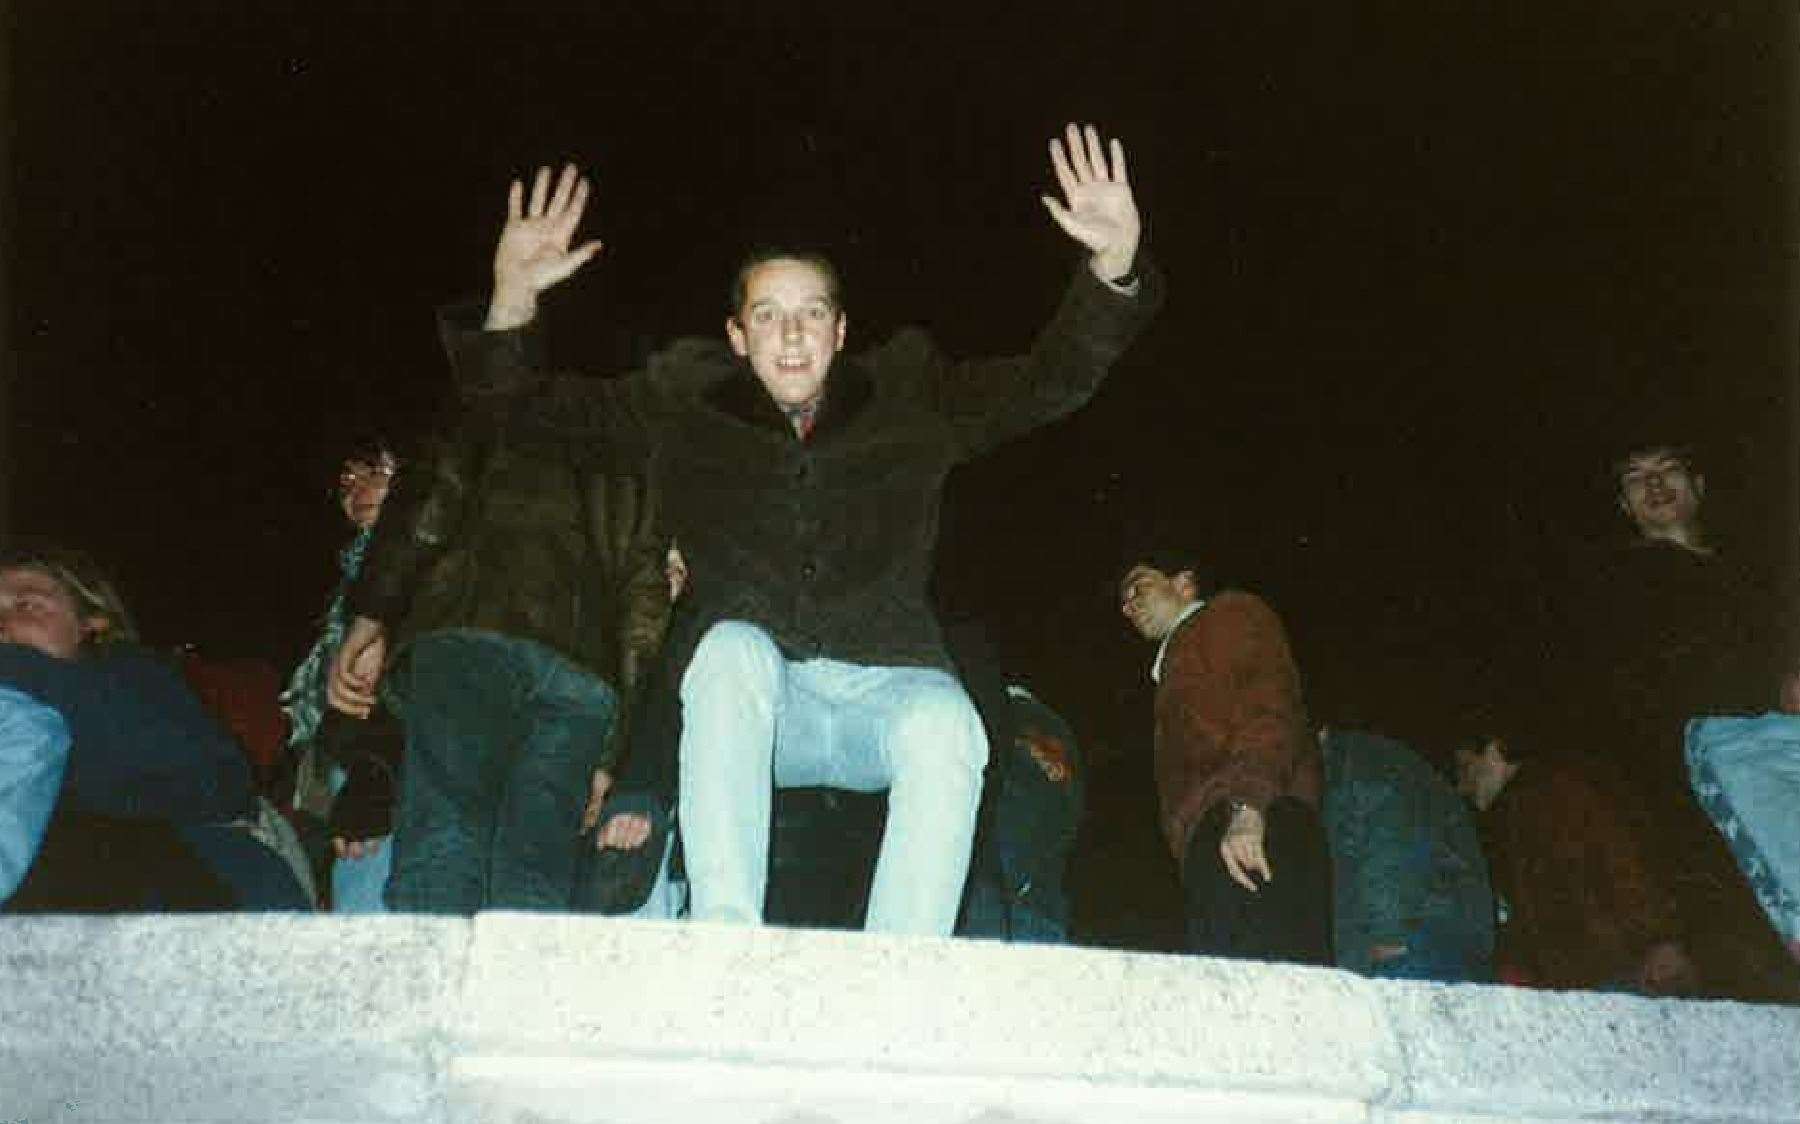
1097, 208
533, 252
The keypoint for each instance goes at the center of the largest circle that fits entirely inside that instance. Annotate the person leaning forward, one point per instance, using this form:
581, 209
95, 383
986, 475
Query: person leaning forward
1238, 772
804, 489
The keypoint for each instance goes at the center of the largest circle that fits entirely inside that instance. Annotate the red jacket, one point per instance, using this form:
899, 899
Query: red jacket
1230, 720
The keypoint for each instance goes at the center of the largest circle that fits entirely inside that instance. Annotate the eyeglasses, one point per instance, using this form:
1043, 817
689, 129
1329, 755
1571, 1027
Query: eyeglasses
361, 472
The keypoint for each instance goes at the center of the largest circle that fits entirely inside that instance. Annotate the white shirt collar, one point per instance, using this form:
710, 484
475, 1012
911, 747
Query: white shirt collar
1163, 649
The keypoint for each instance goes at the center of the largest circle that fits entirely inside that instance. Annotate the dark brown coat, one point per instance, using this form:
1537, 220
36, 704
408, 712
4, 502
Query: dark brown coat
525, 536
825, 543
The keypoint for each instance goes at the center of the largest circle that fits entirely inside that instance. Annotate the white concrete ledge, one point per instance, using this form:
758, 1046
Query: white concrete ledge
575, 1020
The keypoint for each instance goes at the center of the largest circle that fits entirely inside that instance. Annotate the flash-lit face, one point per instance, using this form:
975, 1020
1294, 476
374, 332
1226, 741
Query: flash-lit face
363, 487
1660, 493
790, 328
37, 612
1152, 600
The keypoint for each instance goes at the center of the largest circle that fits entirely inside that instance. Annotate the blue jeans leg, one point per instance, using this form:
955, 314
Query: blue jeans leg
357, 885
502, 736
750, 717
34, 749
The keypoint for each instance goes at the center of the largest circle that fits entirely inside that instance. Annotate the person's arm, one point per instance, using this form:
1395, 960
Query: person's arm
143, 745
1243, 695
34, 749
1112, 296
496, 354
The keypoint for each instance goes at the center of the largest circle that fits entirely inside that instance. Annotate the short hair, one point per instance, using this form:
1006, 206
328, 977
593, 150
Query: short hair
86, 583
367, 446
1170, 559
1680, 454
740, 282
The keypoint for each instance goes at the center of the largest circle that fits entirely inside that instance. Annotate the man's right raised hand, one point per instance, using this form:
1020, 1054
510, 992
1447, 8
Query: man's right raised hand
533, 253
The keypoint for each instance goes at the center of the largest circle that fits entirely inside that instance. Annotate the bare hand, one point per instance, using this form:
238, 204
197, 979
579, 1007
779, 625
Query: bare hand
1790, 693
533, 252
1667, 970
1382, 953
675, 572
1097, 208
1242, 849
355, 848
356, 668
626, 831
597, 790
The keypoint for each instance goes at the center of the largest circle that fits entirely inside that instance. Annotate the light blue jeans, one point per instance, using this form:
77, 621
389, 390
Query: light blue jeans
34, 748
752, 721
357, 884
1746, 774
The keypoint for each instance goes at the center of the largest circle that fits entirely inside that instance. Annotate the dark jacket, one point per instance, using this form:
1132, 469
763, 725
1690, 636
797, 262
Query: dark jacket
532, 538
1230, 720
1583, 900
1406, 857
825, 543
142, 747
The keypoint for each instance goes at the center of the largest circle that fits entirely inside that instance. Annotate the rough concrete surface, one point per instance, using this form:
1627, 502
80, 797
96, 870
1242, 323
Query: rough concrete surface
571, 1020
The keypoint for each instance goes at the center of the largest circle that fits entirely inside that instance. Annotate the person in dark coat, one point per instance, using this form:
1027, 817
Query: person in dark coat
804, 490
1581, 903
519, 584
1672, 627
156, 808
1412, 898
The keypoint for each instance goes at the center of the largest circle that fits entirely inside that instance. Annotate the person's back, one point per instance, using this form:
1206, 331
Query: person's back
1412, 898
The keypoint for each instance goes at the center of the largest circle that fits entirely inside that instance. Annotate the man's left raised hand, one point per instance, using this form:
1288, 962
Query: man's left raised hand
1097, 208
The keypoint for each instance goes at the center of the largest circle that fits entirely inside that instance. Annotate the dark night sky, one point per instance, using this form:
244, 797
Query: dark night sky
1430, 265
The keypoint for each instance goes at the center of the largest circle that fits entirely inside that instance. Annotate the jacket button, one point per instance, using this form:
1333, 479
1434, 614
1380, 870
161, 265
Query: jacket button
808, 570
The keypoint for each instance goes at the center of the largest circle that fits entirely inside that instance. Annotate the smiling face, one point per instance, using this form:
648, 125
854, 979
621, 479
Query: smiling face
789, 328
1660, 493
1152, 600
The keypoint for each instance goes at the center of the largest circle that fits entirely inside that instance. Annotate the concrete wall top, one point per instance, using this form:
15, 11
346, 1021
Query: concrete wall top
574, 1019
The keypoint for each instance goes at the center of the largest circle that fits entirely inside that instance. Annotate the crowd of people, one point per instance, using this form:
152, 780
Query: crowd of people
661, 645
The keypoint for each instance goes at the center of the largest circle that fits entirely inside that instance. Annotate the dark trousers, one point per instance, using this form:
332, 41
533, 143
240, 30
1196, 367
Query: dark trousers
502, 739
1287, 918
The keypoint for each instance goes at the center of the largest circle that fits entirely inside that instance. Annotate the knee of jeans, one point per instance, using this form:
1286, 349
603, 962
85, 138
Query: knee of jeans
939, 730
734, 656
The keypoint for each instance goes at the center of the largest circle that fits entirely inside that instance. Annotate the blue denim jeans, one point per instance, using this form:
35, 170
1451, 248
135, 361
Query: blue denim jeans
358, 885
502, 739
34, 747
1746, 774
753, 720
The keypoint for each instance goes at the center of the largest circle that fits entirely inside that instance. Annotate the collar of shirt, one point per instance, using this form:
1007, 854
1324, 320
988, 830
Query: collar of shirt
1163, 648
